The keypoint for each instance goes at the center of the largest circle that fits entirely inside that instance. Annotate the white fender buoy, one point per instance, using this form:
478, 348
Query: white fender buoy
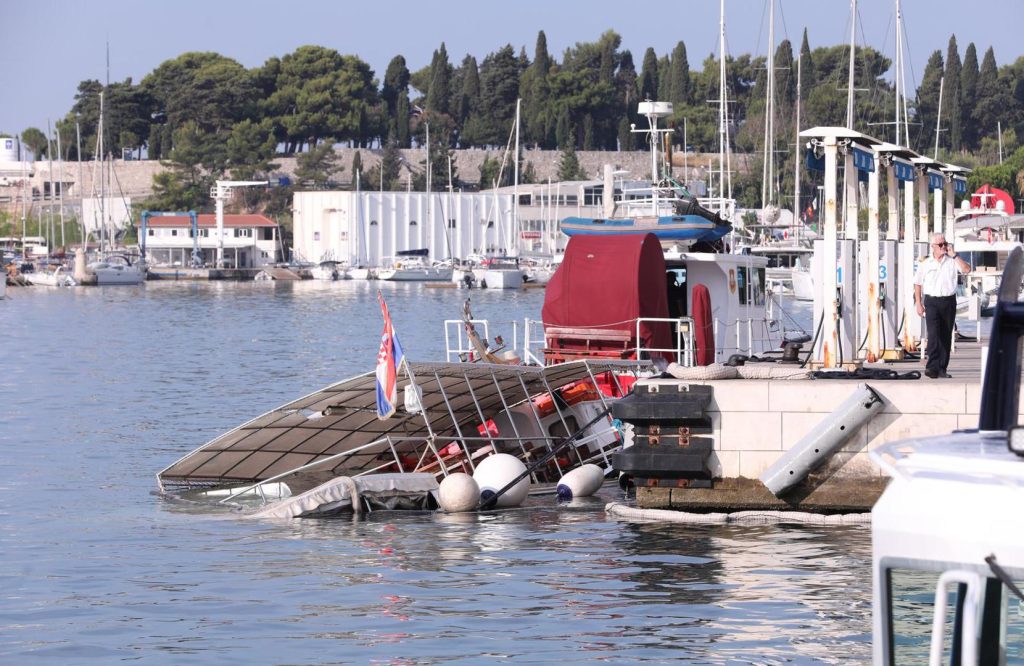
458, 492
497, 471
583, 481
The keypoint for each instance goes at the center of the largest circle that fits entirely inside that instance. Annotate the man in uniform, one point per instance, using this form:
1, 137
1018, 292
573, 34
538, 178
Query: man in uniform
935, 294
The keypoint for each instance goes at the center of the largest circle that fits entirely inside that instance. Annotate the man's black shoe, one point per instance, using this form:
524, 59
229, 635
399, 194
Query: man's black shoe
946, 375
931, 374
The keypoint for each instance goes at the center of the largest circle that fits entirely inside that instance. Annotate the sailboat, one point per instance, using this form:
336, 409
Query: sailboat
666, 209
114, 268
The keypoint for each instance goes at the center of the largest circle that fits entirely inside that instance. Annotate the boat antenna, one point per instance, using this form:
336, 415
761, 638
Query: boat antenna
853, 46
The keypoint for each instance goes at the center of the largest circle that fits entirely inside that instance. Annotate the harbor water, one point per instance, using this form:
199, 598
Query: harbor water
103, 387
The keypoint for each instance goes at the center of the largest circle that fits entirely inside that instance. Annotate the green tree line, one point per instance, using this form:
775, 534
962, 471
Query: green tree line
207, 116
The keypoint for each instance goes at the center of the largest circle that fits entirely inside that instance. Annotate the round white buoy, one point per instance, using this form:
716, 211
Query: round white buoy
583, 481
497, 471
458, 492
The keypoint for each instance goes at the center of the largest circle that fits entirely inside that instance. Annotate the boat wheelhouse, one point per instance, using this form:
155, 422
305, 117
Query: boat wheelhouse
665, 209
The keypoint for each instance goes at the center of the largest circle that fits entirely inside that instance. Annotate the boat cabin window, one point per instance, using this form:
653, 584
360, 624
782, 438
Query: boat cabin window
675, 283
912, 607
982, 260
750, 284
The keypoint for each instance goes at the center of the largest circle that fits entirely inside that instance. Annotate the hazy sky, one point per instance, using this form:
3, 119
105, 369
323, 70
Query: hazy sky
48, 46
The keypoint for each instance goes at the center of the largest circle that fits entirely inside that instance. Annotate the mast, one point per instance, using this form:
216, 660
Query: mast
768, 173
797, 207
938, 120
81, 190
50, 240
515, 188
721, 110
430, 207
60, 165
853, 46
900, 94
102, 172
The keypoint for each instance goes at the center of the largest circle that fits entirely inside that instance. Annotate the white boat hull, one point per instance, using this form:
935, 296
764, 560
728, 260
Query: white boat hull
803, 286
55, 278
500, 279
117, 275
416, 274
362, 274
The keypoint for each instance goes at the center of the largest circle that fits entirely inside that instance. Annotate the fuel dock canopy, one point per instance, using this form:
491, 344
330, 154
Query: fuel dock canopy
605, 283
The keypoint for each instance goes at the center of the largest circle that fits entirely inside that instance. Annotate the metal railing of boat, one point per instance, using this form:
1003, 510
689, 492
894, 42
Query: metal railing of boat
749, 337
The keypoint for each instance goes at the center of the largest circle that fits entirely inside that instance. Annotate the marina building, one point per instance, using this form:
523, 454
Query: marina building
249, 241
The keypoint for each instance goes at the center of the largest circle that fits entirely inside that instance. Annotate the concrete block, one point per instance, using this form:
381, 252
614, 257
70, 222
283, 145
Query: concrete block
966, 421
751, 431
922, 396
754, 463
796, 425
817, 395
739, 395
725, 464
886, 428
847, 465
973, 398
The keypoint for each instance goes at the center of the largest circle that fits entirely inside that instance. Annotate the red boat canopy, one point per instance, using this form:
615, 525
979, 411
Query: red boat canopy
987, 196
605, 283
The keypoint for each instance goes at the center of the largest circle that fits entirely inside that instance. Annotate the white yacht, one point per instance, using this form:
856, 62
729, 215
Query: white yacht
50, 276
413, 266
499, 273
117, 269
946, 538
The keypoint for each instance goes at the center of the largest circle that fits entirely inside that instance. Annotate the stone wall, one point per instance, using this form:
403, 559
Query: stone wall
134, 179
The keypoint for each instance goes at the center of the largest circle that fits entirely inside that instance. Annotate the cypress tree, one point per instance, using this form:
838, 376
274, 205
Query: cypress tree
992, 100
679, 84
807, 64
396, 83
664, 77
534, 91
357, 168
625, 134
647, 84
564, 129
440, 74
928, 102
968, 96
402, 139
588, 132
951, 97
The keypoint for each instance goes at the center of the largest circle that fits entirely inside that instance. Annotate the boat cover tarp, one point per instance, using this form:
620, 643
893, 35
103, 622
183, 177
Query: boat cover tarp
340, 492
341, 420
607, 282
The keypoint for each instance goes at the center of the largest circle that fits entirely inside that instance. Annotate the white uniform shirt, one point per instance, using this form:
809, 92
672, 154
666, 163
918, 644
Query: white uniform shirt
937, 277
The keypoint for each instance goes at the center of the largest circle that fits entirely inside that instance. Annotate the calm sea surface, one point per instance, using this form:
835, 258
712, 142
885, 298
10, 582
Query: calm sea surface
102, 387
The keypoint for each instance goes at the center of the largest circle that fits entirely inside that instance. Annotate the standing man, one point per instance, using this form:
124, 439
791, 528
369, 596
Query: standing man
935, 295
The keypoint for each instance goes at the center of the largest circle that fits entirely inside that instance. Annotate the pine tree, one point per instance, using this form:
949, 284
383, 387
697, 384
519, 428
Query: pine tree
647, 84
951, 97
968, 96
569, 165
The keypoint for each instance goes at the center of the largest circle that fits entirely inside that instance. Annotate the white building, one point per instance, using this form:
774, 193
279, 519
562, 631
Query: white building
364, 227
250, 241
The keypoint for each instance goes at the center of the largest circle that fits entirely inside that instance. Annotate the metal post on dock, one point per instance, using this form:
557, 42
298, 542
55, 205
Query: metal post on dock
922, 202
911, 324
940, 228
874, 346
829, 327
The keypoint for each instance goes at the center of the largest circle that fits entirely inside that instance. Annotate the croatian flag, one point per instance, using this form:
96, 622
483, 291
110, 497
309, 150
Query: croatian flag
389, 362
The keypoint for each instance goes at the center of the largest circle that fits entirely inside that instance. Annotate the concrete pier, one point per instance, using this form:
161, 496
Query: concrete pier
755, 422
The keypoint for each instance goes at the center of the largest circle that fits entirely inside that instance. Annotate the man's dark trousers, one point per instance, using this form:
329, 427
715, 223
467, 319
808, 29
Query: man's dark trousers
939, 313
